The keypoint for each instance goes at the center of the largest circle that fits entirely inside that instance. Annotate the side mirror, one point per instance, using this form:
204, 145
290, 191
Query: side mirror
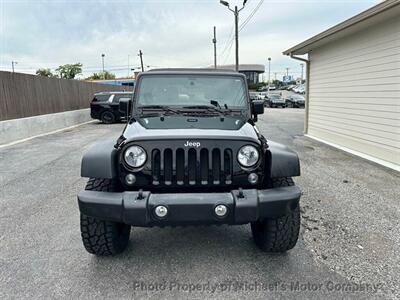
257, 108
125, 106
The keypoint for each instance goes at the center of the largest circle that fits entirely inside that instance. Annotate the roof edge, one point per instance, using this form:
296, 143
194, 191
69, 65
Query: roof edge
200, 70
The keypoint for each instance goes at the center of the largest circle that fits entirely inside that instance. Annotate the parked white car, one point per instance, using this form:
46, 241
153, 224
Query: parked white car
299, 89
253, 96
262, 95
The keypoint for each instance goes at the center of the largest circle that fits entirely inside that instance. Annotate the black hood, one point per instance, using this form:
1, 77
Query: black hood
188, 127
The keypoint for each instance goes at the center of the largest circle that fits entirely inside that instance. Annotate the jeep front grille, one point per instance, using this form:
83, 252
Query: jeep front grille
191, 166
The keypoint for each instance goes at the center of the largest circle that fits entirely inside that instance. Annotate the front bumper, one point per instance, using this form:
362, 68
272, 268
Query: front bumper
137, 209
94, 114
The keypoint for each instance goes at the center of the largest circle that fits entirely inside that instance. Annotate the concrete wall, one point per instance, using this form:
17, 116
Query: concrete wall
18, 129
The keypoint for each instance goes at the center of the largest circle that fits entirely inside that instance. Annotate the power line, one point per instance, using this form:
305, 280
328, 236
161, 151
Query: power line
230, 40
228, 43
245, 22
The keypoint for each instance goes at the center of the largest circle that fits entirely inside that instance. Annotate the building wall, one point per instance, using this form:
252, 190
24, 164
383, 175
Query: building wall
354, 94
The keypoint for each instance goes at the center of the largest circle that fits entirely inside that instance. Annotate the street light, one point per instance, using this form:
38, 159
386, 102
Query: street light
269, 70
302, 70
236, 13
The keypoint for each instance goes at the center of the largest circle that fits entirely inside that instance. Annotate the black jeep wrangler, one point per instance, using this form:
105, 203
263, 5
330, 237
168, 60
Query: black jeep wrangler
189, 155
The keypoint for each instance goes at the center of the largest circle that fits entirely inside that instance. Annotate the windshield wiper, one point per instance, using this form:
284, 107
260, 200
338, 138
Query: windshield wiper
216, 104
207, 108
159, 107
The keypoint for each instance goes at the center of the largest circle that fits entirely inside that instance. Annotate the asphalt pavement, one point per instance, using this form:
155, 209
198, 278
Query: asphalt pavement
348, 246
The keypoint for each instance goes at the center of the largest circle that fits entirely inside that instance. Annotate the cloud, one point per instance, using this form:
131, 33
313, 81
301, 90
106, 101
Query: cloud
170, 33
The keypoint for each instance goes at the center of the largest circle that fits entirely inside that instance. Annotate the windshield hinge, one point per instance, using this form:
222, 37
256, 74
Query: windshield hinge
119, 142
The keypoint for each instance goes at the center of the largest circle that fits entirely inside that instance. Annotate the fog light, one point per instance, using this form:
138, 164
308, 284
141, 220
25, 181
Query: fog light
221, 210
253, 178
130, 179
161, 211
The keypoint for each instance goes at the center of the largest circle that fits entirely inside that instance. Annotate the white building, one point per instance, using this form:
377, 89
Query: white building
353, 84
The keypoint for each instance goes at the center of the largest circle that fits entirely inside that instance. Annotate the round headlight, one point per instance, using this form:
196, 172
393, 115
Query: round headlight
135, 156
248, 156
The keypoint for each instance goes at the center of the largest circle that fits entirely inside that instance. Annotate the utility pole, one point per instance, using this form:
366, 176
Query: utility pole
275, 73
236, 13
215, 47
141, 59
287, 71
302, 70
236, 39
13, 63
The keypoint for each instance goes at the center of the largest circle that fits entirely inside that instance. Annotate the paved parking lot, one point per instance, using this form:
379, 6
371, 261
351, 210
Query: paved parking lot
348, 245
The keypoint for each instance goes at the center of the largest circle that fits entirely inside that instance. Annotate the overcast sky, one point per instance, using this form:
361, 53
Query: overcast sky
171, 33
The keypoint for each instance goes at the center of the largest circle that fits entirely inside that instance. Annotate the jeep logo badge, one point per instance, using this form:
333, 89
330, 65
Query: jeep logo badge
192, 144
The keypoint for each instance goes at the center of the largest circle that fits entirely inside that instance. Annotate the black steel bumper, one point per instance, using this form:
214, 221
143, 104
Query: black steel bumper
189, 208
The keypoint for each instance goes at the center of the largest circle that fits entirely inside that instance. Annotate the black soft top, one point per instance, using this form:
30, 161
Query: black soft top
193, 71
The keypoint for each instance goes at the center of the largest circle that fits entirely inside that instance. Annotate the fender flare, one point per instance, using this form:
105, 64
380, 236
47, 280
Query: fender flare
284, 161
100, 161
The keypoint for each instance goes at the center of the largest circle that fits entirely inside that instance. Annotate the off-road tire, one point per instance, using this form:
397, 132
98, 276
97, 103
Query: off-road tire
278, 234
101, 237
107, 117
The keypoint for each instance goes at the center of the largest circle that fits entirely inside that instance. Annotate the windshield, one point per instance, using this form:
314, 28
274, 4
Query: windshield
191, 90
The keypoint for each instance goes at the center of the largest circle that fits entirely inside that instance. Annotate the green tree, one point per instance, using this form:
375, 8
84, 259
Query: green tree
44, 72
101, 75
94, 76
69, 71
277, 83
108, 75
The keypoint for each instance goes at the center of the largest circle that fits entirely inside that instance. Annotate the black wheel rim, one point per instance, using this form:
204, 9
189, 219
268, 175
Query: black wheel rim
108, 117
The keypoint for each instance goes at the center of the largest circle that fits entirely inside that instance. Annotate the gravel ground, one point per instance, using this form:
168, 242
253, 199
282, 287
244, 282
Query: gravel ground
350, 208
350, 214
